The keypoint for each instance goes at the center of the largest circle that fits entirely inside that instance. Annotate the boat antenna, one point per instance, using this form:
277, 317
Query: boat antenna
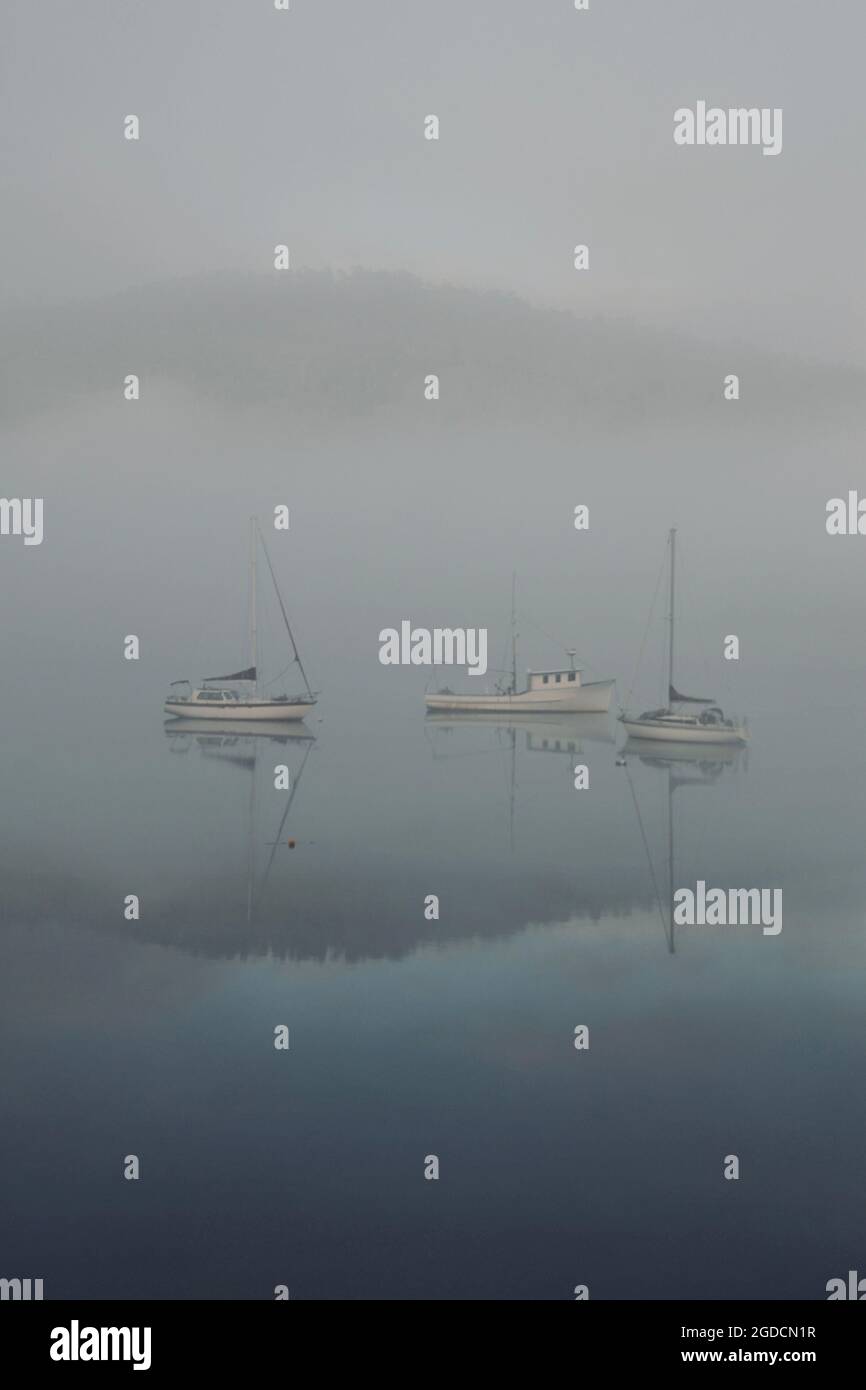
285, 614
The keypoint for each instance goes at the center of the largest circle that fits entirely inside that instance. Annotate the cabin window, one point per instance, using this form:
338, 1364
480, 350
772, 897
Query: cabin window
544, 679
572, 675
558, 679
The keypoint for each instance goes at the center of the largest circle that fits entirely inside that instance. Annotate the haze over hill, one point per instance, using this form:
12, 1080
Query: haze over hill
332, 347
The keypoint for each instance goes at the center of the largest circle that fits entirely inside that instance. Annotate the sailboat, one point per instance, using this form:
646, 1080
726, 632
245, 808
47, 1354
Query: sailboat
559, 691
672, 723
212, 700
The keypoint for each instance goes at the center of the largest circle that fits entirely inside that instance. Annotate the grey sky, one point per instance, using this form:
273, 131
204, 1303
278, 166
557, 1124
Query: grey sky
558, 387
556, 127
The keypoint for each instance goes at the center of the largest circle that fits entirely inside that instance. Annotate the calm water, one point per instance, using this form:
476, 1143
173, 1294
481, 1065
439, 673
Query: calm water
262, 389
411, 1037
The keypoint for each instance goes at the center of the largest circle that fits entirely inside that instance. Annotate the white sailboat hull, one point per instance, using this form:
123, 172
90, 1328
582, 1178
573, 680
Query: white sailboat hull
672, 731
593, 698
253, 711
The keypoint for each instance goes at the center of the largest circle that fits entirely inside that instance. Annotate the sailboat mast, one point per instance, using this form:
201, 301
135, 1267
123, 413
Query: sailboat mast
254, 636
673, 540
513, 636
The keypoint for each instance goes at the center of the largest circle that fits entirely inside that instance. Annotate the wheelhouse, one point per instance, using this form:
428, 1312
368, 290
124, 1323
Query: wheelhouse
543, 680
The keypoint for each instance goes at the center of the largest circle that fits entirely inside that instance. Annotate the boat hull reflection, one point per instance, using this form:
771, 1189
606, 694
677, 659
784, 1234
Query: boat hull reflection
237, 728
706, 756
556, 733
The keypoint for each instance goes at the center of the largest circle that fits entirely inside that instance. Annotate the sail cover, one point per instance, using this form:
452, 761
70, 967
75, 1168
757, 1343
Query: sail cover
248, 675
675, 698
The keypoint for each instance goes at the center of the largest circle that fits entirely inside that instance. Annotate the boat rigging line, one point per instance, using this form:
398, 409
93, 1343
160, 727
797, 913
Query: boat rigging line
569, 651
296, 782
297, 658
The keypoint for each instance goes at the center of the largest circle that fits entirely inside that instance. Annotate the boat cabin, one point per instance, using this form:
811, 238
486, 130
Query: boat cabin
710, 717
543, 680
213, 697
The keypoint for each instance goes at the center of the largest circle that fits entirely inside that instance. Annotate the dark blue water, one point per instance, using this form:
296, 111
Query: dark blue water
410, 1037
